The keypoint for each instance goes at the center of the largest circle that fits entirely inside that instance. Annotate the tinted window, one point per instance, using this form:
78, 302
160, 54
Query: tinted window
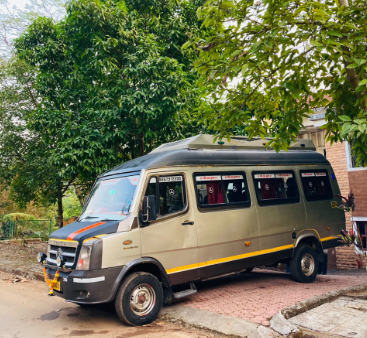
169, 192
221, 190
276, 187
316, 185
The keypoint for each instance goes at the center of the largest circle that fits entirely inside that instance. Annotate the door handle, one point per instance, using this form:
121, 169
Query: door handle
187, 223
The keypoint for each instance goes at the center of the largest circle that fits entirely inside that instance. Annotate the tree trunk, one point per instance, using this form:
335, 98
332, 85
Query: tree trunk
60, 211
80, 196
142, 144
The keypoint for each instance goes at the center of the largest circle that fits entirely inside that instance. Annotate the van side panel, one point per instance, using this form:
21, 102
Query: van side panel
226, 238
172, 241
327, 220
278, 222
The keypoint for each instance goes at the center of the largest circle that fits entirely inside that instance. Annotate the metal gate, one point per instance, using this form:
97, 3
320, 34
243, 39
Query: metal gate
27, 229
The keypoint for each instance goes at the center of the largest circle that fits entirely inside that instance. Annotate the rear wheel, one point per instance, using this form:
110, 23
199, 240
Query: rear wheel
304, 265
139, 299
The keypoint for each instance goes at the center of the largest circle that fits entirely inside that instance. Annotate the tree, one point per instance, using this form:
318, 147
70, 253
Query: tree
26, 165
111, 81
112, 77
285, 58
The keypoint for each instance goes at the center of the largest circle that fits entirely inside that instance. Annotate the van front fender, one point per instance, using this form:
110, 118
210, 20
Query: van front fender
146, 264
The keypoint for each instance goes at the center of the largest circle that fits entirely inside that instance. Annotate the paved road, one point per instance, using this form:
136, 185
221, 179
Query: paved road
258, 296
26, 311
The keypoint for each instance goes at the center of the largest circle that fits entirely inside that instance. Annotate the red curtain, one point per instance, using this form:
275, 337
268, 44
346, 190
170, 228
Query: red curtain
215, 192
270, 193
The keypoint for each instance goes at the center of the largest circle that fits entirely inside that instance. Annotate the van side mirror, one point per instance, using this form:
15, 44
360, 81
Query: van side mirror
149, 212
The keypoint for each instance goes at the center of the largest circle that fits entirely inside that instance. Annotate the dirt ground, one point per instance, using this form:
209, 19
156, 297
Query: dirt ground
26, 311
21, 256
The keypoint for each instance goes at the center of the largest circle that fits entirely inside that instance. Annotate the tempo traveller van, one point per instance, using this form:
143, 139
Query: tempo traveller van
193, 210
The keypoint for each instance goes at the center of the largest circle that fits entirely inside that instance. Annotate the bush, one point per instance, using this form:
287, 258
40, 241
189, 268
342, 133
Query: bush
27, 226
18, 216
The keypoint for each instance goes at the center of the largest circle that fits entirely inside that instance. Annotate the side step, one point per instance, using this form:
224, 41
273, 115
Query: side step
187, 292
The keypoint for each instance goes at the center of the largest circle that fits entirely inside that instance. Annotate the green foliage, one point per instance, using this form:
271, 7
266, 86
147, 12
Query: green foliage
268, 63
102, 86
71, 204
18, 216
112, 80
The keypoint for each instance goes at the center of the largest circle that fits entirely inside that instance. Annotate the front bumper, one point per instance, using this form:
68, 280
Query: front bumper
87, 287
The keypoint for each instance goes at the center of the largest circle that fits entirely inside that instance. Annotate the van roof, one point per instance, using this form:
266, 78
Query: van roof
204, 141
215, 157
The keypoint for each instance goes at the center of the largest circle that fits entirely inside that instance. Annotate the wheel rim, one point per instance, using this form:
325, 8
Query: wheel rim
307, 264
142, 299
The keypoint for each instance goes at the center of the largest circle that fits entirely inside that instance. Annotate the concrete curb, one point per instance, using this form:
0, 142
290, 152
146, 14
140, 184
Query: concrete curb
279, 322
313, 302
216, 322
24, 273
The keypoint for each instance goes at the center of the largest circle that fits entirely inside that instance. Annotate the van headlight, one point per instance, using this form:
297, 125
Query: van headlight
84, 257
90, 256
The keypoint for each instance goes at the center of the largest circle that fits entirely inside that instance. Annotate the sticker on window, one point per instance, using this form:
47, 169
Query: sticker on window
264, 176
232, 177
320, 174
134, 180
308, 174
208, 178
283, 175
110, 182
170, 179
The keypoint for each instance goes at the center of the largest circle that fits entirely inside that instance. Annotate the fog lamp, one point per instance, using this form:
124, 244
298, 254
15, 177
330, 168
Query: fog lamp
41, 257
60, 261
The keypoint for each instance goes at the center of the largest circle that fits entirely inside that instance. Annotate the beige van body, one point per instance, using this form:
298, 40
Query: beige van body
219, 208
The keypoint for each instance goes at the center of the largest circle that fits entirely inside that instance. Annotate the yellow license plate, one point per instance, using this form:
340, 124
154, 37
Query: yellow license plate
57, 286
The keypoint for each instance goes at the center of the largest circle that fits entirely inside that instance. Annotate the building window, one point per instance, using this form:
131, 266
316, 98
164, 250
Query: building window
351, 160
316, 185
362, 229
221, 190
275, 187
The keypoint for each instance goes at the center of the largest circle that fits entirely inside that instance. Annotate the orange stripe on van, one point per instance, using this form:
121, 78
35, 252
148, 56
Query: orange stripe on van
71, 236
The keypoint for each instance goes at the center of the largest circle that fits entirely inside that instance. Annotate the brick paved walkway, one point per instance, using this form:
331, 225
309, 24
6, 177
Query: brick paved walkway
261, 294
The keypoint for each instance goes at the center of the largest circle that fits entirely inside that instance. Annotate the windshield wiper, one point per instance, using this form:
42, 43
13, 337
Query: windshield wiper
108, 219
87, 217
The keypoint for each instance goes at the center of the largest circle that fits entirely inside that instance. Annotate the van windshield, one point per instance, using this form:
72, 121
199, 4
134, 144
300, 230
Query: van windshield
111, 199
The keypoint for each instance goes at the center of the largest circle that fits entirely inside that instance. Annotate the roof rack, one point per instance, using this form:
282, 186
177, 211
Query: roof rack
204, 141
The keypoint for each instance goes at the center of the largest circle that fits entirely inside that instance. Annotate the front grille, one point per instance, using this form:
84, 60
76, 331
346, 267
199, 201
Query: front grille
68, 252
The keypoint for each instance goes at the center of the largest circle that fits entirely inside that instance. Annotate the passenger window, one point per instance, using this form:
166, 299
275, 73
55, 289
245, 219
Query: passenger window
316, 185
276, 188
221, 190
209, 188
171, 194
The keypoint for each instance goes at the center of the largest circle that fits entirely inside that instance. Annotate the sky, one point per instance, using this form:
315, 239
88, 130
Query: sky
18, 3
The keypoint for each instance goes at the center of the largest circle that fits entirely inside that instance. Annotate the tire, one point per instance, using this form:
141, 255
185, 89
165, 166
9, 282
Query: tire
139, 299
304, 265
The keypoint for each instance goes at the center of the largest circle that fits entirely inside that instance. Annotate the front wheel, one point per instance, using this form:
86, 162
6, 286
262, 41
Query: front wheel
304, 265
139, 299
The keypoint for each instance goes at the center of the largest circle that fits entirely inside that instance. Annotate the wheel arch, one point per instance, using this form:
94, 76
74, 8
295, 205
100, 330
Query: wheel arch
144, 264
311, 239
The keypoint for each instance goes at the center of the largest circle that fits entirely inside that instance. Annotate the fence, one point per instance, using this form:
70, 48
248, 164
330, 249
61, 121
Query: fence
26, 229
